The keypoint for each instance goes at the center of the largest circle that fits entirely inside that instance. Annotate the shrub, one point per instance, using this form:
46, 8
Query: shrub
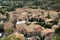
56, 37
42, 23
48, 25
57, 31
59, 15
11, 37
57, 34
56, 21
10, 30
1, 26
17, 38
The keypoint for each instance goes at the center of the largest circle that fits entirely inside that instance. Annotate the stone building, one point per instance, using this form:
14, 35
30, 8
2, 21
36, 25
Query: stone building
8, 25
55, 27
47, 34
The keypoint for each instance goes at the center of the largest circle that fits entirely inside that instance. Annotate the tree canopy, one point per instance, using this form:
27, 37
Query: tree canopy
9, 5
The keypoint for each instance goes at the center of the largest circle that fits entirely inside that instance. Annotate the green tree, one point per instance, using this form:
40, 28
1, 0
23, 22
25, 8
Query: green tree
11, 37
56, 21
10, 30
57, 31
1, 26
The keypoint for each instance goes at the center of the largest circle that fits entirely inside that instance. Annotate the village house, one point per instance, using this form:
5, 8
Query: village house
24, 29
55, 27
37, 29
22, 16
29, 31
25, 16
8, 26
10, 16
47, 34
26, 11
20, 27
48, 21
19, 10
53, 14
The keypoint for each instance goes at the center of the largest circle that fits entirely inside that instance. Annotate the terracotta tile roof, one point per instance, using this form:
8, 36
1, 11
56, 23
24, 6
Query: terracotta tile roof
19, 10
38, 28
46, 31
19, 17
49, 20
8, 25
20, 26
28, 29
11, 16
55, 26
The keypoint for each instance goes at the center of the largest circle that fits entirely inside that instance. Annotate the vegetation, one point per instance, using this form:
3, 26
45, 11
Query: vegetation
9, 5
59, 15
57, 34
56, 21
10, 30
11, 37
57, 31
43, 24
1, 26
56, 37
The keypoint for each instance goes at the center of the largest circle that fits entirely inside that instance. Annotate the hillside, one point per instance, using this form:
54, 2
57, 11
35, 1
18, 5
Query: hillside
9, 5
29, 19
